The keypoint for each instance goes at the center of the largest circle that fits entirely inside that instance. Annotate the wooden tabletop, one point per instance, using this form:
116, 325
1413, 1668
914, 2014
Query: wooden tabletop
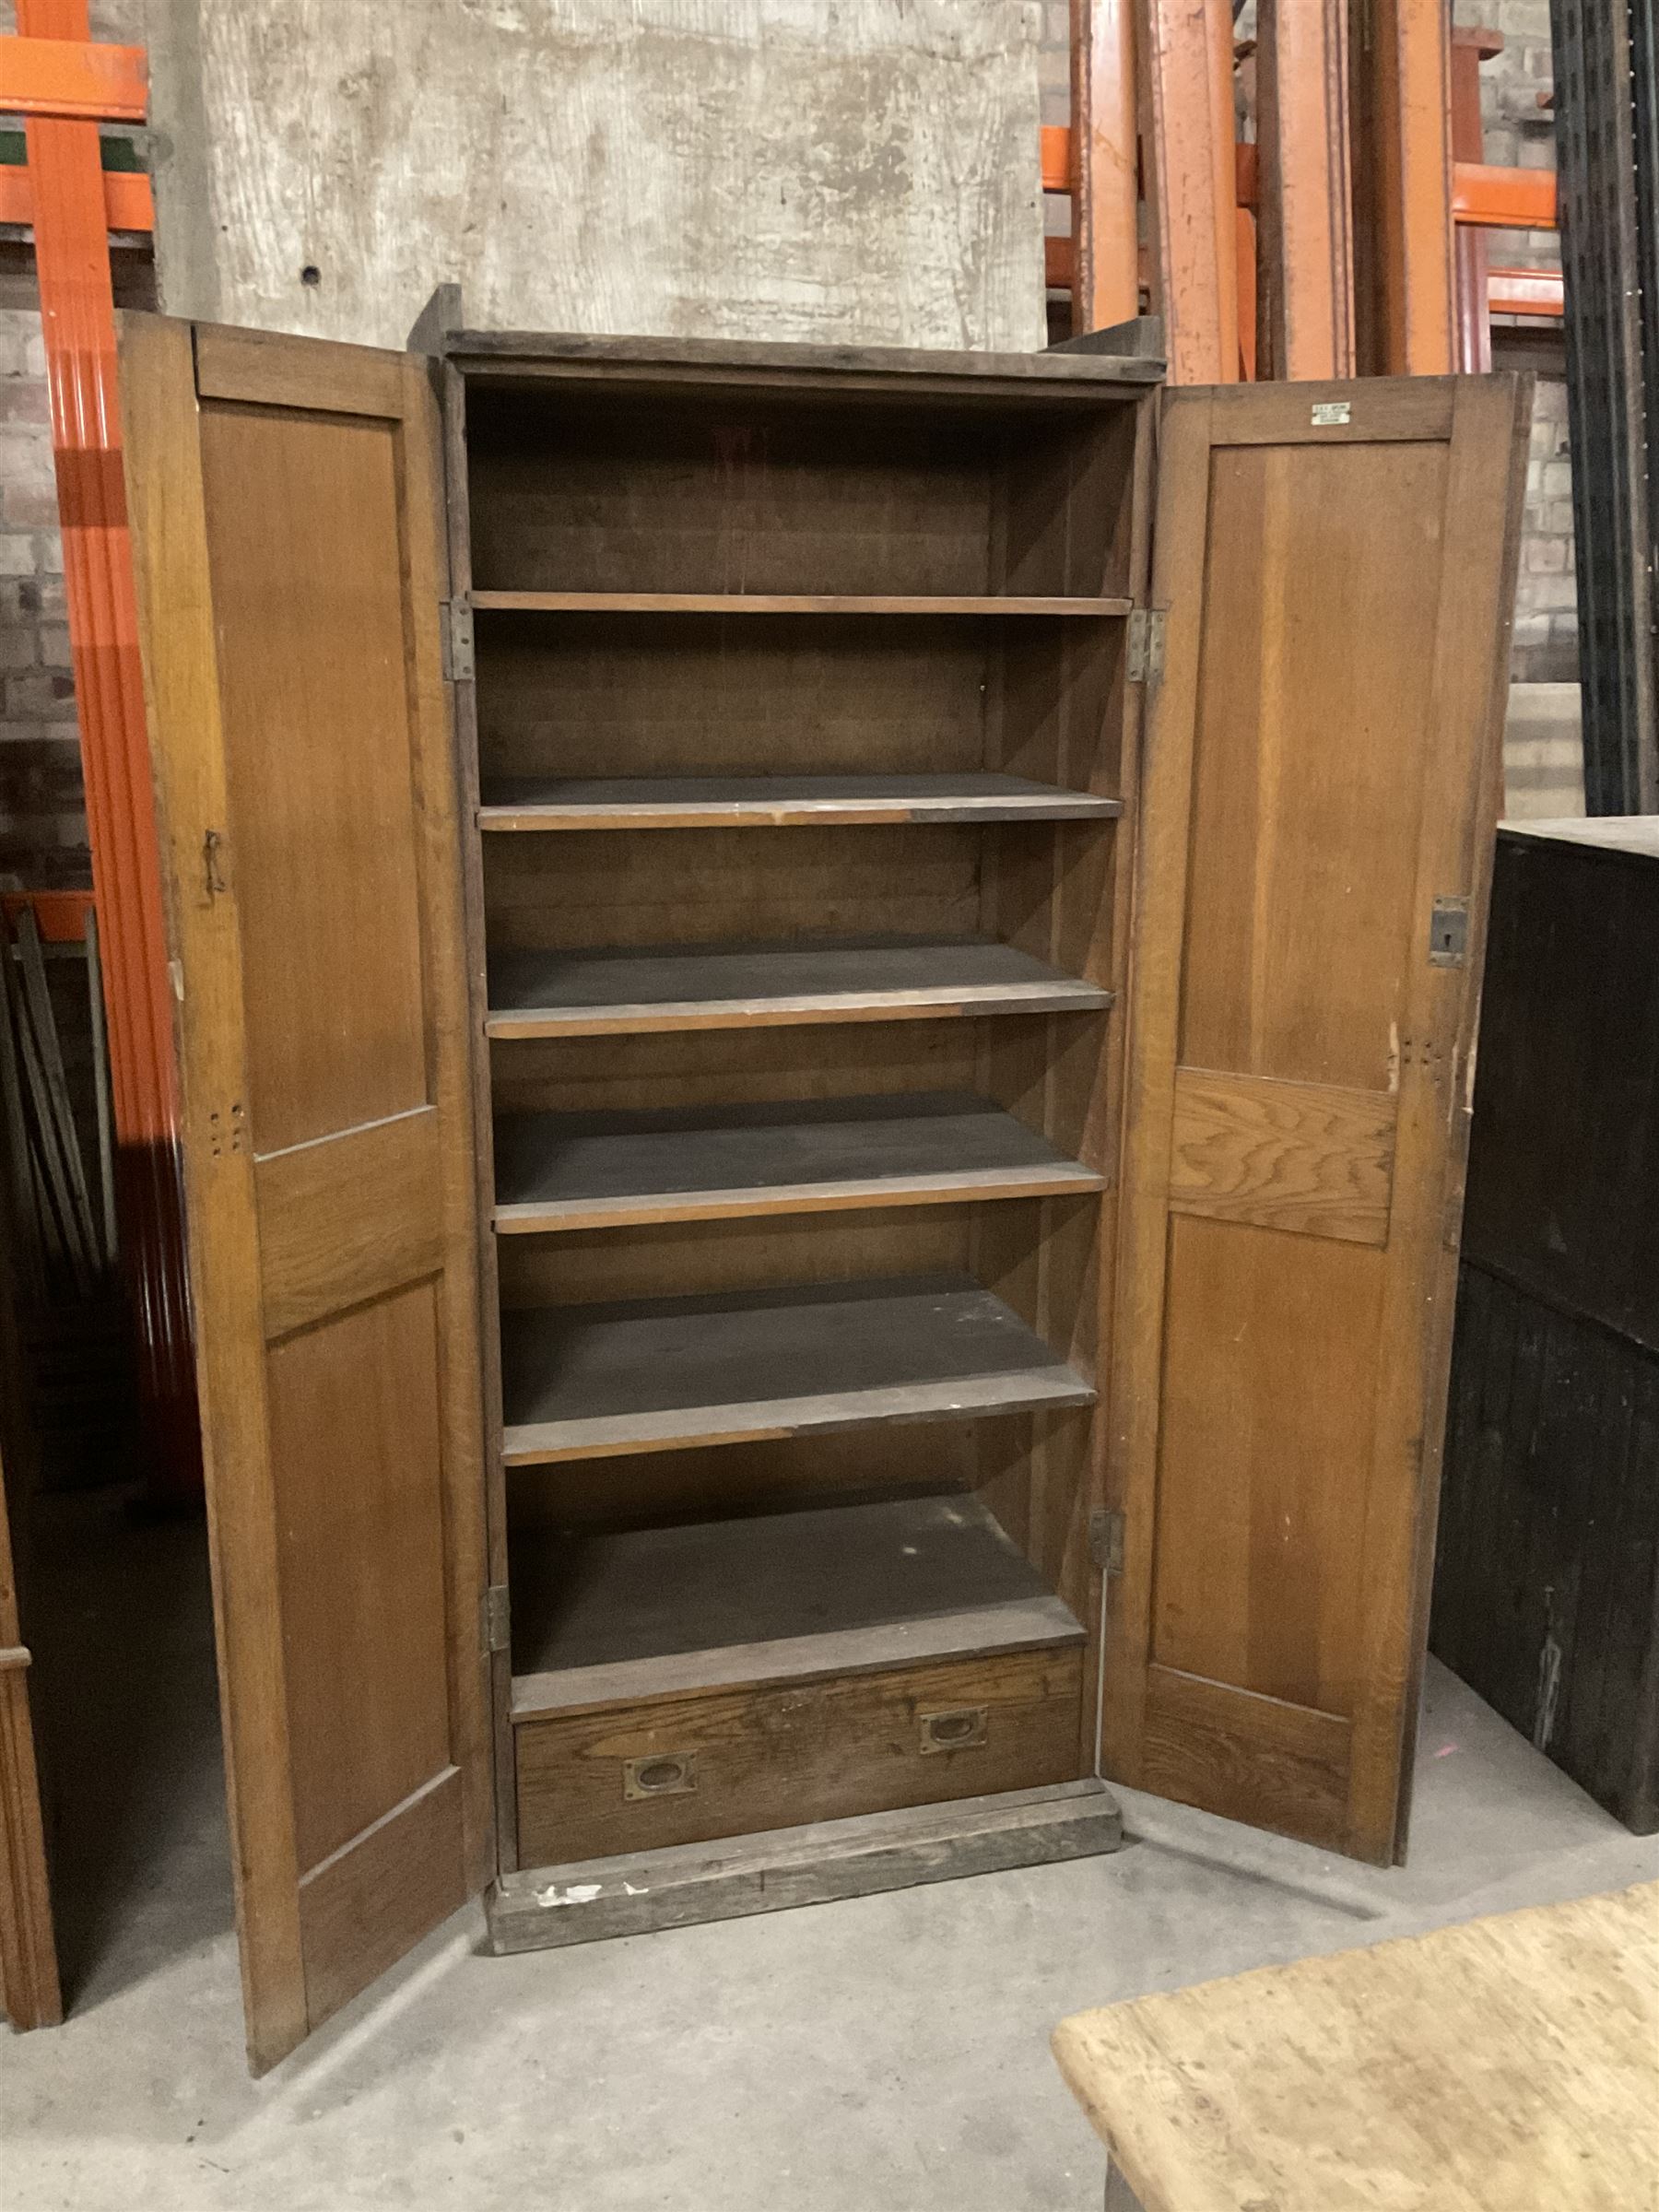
1508, 2066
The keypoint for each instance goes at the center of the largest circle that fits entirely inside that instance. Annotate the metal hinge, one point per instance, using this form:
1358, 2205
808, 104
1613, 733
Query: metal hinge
497, 1614
1448, 933
1106, 1539
455, 641
1145, 645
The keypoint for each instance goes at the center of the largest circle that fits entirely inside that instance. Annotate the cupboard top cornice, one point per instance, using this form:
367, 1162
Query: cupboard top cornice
1089, 379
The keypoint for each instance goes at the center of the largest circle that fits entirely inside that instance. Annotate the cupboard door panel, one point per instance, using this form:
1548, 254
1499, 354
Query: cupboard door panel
1322, 773
284, 498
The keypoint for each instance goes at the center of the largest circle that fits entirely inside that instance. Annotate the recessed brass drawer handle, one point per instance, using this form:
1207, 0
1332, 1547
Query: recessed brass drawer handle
662, 1774
956, 1731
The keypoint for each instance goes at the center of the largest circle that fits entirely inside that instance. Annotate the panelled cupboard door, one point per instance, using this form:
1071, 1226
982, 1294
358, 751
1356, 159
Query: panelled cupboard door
1318, 803
284, 498
29, 1993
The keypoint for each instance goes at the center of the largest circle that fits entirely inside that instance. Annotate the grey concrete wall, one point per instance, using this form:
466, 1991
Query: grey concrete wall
858, 170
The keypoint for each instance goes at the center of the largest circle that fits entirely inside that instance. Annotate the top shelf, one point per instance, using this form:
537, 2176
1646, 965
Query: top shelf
788, 603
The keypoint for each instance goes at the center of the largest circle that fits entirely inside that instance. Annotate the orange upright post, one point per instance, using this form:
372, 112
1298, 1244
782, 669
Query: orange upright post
1105, 166
63, 83
1191, 186
1401, 105
1470, 264
1304, 221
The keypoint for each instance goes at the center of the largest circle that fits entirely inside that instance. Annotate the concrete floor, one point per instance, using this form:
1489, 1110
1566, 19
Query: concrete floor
888, 2054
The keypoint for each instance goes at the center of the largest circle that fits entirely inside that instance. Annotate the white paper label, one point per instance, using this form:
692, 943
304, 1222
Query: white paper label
1329, 411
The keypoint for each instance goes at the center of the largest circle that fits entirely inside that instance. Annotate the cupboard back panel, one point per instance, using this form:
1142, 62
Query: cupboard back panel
660, 695
738, 492
1048, 1071
681, 1259
722, 1067
619, 888
717, 1482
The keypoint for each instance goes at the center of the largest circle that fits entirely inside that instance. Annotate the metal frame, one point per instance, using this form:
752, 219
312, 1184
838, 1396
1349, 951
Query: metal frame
63, 85
1605, 104
1355, 237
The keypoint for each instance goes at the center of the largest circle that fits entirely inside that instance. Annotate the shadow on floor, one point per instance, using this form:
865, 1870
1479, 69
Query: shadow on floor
121, 1628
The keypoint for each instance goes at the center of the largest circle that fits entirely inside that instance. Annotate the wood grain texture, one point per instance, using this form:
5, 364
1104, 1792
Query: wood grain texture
730, 892
660, 1375
166, 498
569, 1172
263, 368
1053, 377
1254, 1759
1276, 1390
588, 1899
362, 1908
1382, 410
796, 603
595, 993
708, 504
305, 781
478, 1185
339, 1039
1508, 2066
616, 1614
1291, 1156
356, 1443
1267, 1421
764, 1754
784, 801
349, 1218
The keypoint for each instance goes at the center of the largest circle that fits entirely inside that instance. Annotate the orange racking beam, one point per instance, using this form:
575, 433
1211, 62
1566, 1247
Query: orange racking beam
1504, 199
69, 208
1525, 292
59, 76
60, 916
128, 202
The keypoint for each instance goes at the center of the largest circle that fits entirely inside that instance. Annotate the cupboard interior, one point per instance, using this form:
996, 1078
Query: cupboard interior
746, 492
801, 963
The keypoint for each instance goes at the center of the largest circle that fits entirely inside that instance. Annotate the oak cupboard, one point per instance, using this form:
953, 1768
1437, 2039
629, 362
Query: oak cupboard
825, 1009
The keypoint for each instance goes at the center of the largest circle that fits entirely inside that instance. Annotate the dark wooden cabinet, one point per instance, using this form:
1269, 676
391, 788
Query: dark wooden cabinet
1546, 1588
823, 1084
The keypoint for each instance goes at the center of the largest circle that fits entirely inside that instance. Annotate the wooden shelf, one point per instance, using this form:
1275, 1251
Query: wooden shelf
594, 992
565, 1172
790, 603
778, 802
667, 1374
655, 1612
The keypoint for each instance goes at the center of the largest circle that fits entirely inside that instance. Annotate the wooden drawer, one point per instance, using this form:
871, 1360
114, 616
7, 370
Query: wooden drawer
685, 1769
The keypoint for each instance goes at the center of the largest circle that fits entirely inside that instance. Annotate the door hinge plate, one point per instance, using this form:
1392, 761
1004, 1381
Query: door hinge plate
1106, 1539
497, 1618
1145, 645
1448, 933
455, 636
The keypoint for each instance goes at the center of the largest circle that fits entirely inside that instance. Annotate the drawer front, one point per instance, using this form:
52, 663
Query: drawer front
685, 1770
